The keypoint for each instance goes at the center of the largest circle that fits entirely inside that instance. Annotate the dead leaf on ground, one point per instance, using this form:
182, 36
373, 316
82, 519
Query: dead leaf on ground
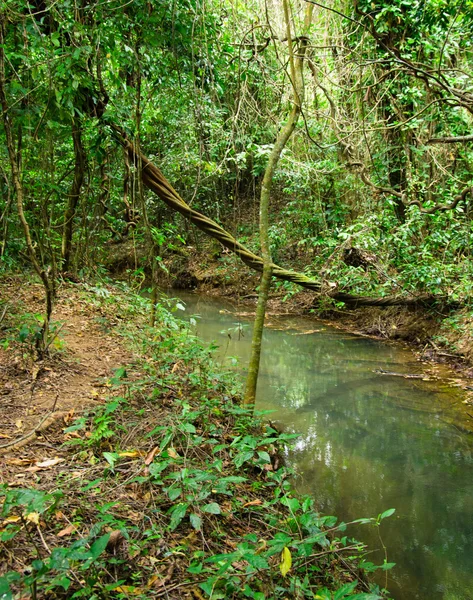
50, 462
12, 519
45, 464
67, 530
253, 503
151, 455
129, 590
172, 453
130, 454
115, 538
68, 418
33, 517
19, 462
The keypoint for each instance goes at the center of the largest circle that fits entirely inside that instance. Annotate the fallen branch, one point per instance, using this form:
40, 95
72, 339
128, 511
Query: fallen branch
4, 312
451, 140
404, 375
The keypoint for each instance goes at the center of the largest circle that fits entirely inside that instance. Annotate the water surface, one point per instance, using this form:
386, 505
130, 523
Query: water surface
368, 442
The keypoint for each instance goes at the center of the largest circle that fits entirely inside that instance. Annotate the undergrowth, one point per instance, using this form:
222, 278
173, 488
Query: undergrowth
172, 489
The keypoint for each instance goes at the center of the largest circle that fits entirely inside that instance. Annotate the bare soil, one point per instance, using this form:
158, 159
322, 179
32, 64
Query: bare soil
71, 378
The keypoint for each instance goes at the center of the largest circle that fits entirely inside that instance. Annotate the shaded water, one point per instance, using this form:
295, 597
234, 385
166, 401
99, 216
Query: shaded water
367, 442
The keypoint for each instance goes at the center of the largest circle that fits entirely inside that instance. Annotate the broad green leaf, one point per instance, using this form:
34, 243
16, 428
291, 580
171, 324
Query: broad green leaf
188, 428
196, 521
99, 546
178, 513
213, 508
174, 493
345, 590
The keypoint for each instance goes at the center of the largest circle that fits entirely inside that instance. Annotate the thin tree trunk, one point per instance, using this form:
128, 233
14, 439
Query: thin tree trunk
79, 170
18, 186
281, 141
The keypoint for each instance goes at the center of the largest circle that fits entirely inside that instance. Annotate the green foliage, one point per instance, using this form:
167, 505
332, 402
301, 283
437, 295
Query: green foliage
203, 467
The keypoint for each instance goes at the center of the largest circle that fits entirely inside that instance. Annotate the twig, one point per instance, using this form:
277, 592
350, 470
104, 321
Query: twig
43, 540
4, 312
30, 434
27, 435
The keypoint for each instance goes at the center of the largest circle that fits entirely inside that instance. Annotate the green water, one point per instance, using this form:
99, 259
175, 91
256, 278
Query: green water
367, 442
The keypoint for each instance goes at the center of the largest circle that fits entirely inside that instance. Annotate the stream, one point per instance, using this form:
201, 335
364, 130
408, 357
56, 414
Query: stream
368, 442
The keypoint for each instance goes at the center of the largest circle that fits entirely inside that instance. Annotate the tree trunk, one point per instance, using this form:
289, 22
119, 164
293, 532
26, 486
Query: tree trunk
73, 199
282, 139
18, 186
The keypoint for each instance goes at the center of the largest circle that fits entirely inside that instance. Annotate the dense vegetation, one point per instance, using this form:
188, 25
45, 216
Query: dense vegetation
169, 488
346, 126
372, 192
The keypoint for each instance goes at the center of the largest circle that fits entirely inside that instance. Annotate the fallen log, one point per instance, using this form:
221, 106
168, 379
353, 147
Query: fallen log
403, 375
154, 180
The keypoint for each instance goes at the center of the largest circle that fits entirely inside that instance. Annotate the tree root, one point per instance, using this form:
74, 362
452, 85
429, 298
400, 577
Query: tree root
44, 424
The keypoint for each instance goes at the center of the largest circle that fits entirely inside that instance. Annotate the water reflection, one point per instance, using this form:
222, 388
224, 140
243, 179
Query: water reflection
368, 443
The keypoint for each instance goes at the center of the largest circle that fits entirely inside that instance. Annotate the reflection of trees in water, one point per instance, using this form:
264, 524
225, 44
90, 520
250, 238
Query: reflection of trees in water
360, 455
370, 443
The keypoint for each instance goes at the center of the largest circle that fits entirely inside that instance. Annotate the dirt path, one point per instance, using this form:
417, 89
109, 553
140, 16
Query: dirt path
83, 358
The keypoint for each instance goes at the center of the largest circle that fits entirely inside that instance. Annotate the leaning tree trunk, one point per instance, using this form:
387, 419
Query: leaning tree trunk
281, 141
73, 199
154, 180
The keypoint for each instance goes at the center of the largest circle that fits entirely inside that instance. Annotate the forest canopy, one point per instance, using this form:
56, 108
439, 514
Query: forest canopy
373, 190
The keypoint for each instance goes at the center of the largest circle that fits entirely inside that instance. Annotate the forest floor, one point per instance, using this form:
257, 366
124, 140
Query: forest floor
73, 376
129, 469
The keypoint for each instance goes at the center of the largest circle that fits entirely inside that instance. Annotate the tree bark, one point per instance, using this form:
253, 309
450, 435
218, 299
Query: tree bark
281, 141
18, 186
73, 199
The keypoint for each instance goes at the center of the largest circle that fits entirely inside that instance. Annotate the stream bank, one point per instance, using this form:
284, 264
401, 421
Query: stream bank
378, 428
439, 336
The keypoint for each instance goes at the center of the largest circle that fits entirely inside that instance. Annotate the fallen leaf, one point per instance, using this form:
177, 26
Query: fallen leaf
68, 418
33, 517
115, 538
130, 590
71, 434
19, 461
151, 455
67, 531
253, 503
19, 423
45, 464
286, 561
4, 436
129, 454
152, 580
172, 453
12, 519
